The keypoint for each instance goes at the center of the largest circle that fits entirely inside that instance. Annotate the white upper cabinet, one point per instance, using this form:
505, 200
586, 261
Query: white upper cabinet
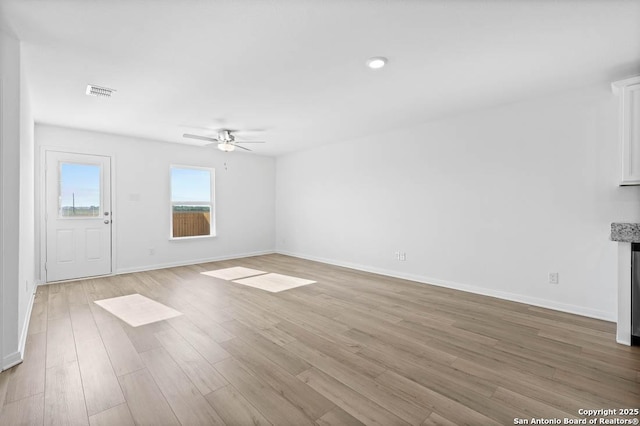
629, 92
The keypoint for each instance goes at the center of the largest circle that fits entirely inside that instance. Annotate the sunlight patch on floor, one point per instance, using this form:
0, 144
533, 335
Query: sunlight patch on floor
137, 310
234, 273
274, 282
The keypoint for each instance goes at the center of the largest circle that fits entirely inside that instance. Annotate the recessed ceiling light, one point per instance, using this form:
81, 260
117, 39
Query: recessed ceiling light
377, 62
100, 92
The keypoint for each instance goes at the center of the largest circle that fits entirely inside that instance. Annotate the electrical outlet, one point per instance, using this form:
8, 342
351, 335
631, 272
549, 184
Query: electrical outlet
554, 278
397, 254
403, 256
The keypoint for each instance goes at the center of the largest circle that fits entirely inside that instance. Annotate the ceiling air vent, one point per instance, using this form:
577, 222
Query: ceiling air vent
101, 92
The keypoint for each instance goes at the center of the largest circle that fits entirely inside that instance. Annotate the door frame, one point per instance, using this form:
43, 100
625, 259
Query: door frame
42, 206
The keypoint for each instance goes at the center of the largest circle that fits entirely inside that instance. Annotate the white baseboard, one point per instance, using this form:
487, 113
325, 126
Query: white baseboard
11, 360
17, 357
27, 319
543, 303
190, 262
623, 341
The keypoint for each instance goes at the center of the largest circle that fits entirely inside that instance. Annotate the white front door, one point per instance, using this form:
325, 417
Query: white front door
78, 215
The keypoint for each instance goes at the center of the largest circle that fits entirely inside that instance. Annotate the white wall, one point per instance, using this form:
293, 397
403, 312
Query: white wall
245, 194
490, 202
27, 266
14, 298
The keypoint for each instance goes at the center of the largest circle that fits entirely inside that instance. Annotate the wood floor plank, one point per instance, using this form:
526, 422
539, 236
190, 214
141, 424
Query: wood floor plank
436, 419
82, 323
291, 312
146, 403
363, 409
274, 407
27, 379
530, 406
312, 334
629, 391
543, 389
354, 306
209, 349
75, 295
102, 288
186, 401
368, 342
25, 412
460, 386
100, 384
209, 326
57, 302
250, 315
42, 293
434, 401
39, 317
4, 384
101, 315
395, 335
63, 397
365, 386
345, 352
338, 417
267, 348
115, 416
201, 373
124, 357
293, 390
61, 347
143, 337
234, 409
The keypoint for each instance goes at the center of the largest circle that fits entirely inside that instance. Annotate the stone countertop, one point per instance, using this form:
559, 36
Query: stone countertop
625, 232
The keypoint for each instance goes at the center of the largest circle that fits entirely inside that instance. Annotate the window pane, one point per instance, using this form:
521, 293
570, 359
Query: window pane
79, 190
190, 185
191, 221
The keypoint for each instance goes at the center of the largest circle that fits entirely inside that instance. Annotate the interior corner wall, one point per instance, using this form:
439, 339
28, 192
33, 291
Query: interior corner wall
26, 252
489, 202
10, 198
244, 198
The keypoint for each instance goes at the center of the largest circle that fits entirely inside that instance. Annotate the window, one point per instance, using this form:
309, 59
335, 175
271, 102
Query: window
192, 212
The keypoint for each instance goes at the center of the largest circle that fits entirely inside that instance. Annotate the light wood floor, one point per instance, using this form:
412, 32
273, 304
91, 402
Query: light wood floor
353, 348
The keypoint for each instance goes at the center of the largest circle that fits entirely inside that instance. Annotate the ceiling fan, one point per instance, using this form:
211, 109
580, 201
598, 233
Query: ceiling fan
225, 140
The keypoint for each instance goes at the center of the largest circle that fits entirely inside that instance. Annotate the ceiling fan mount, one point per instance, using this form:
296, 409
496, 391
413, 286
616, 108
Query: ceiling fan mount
225, 140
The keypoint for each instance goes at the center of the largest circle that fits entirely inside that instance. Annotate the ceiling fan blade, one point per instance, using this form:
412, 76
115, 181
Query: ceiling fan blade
202, 138
242, 147
250, 141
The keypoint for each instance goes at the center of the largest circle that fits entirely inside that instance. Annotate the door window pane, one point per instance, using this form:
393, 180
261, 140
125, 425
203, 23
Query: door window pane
79, 190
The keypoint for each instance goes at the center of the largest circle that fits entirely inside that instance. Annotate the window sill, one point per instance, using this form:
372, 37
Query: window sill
195, 237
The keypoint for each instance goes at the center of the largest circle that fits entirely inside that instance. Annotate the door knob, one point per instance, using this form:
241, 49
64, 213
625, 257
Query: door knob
106, 222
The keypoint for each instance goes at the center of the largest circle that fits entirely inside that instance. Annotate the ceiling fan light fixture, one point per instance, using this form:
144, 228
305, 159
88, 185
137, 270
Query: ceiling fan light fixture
377, 62
226, 147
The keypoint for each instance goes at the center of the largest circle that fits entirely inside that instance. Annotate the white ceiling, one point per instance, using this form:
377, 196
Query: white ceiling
295, 69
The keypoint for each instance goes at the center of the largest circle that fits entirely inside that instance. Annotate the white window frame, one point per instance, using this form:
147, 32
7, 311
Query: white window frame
211, 204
